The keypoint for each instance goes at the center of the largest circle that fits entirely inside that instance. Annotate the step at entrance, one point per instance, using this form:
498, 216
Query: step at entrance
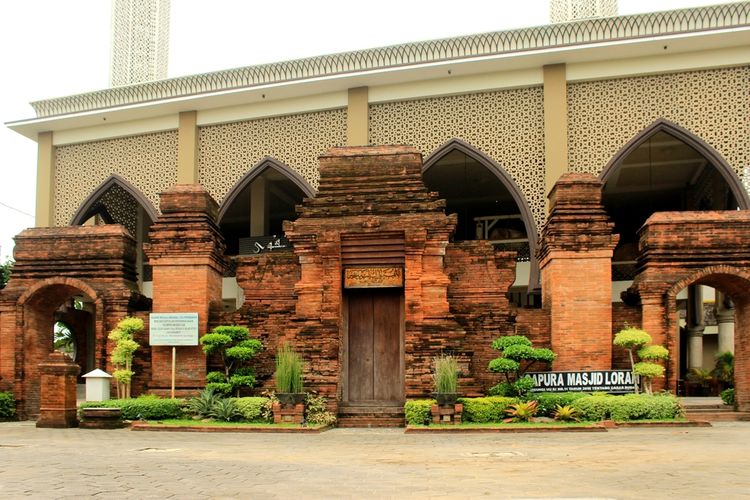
370, 416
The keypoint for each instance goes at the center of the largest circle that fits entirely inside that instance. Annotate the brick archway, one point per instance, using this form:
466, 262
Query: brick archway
674, 256
36, 308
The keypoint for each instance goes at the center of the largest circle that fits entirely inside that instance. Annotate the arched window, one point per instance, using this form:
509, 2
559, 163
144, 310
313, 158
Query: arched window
664, 168
488, 203
257, 205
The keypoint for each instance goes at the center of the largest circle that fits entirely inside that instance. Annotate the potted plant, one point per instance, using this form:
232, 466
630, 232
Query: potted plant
445, 376
288, 376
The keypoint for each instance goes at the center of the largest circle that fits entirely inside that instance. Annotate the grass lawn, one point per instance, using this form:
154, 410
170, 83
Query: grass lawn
215, 423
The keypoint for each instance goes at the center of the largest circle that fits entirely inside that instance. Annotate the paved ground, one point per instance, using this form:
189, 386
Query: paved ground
353, 463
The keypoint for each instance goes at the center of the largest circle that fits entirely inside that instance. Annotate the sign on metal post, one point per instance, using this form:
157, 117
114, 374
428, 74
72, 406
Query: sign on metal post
173, 329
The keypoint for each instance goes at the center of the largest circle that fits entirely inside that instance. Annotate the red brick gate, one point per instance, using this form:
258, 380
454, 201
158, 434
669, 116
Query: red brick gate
53, 265
678, 249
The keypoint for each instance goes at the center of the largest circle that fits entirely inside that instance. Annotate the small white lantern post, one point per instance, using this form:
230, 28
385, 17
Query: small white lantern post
97, 385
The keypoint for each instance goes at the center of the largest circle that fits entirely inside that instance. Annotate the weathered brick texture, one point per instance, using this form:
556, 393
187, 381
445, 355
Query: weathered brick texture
678, 249
52, 266
59, 375
575, 259
186, 252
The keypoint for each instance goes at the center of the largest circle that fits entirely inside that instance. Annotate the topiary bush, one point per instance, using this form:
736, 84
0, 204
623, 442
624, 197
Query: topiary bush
418, 411
143, 407
252, 408
7, 406
629, 407
233, 345
548, 401
517, 355
487, 409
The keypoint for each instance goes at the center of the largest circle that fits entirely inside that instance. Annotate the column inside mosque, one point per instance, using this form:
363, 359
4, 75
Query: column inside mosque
725, 319
695, 326
258, 202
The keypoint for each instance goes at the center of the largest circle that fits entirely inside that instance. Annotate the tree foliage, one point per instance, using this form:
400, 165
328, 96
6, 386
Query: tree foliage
233, 345
517, 356
5, 270
123, 352
645, 371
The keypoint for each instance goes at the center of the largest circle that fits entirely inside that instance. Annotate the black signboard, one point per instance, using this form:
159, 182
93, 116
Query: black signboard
612, 381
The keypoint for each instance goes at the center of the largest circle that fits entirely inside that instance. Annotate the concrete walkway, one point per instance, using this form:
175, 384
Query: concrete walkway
355, 463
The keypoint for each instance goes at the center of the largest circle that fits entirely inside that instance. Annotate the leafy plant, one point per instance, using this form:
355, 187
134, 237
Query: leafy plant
252, 408
143, 407
565, 414
226, 410
628, 407
517, 356
727, 396
548, 401
487, 409
700, 376
235, 348
288, 375
445, 375
122, 354
266, 412
647, 370
521, 412
7, 405
316, 411
418, 411
724, 369
203, 404
5, 270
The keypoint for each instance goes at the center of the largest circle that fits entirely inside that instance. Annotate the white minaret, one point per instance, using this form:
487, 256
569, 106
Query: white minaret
140, 41
561, 11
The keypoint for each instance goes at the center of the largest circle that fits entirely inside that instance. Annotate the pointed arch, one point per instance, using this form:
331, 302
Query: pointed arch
84, 210
505, 179
692, 140
255, 171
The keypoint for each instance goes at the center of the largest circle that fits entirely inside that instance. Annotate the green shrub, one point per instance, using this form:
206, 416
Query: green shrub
628, 407
143, 407
251, 408
548, 401
233, 345
418, 411
7, 406
727, 395
488, 409
316, 411
517, 355
565, 414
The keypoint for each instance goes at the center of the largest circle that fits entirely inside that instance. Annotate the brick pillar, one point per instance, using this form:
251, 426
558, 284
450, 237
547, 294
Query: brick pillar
186, 251
58, 392
575, 259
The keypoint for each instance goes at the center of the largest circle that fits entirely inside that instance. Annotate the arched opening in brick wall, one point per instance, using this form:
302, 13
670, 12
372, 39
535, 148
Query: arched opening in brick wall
66, 301
116, 201
490, 206
253, 211
664, 168
694, 345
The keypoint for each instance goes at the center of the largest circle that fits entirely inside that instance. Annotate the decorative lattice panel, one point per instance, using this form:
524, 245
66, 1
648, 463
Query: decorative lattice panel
148, 162
122, 207
506, 125
604, 115
228, 151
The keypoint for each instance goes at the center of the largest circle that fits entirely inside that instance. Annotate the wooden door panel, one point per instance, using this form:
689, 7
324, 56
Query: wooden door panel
374, 346
360, 347
386, 338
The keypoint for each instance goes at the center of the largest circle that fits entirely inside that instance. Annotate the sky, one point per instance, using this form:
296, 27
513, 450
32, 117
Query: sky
54, 48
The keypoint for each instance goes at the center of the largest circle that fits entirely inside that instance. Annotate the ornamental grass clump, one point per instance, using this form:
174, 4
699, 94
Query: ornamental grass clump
445, 374
288, 375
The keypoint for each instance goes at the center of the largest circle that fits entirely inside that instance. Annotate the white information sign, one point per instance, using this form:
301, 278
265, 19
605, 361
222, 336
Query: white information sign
173, 329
